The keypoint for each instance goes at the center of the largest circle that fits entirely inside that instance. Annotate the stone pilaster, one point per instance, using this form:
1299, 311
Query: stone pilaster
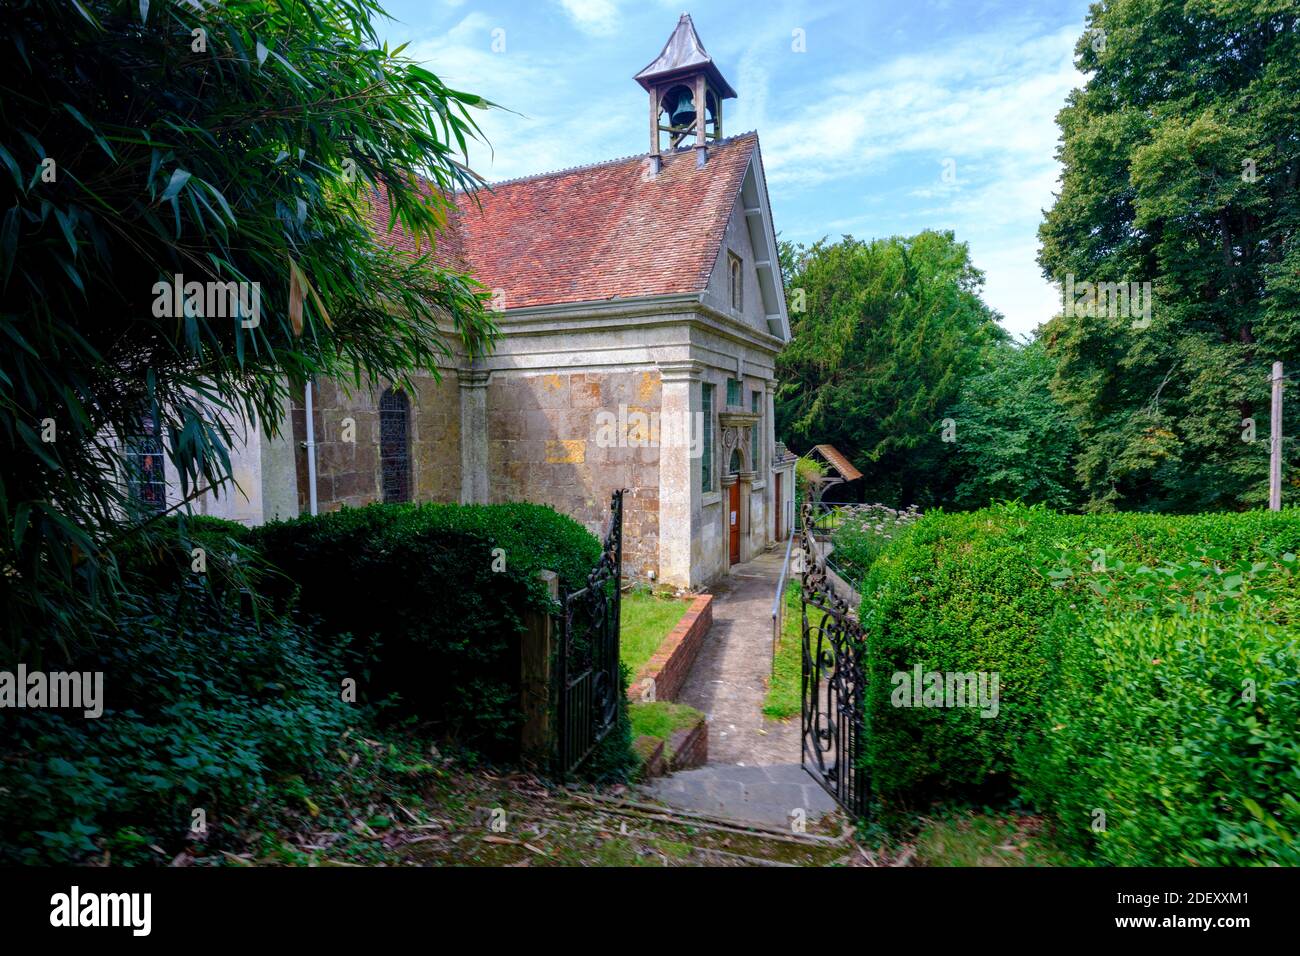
679, 474
768, 438
747, 546
279, 478
473, 436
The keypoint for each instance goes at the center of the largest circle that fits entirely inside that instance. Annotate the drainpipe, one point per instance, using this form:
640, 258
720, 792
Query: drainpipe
311, 453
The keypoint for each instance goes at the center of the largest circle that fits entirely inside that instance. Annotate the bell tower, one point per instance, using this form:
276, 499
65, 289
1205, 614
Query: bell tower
686, 92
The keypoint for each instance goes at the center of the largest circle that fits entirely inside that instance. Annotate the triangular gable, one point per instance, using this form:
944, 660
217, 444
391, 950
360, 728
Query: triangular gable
751, 203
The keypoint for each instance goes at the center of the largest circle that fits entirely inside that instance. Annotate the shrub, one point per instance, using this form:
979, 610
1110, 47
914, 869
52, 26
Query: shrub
204, 708
1173, 717
971, 592
865, 532
431, 600
807, 472
162, 555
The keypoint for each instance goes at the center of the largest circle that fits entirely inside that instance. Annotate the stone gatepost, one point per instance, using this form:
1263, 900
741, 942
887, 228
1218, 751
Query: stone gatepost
535, 669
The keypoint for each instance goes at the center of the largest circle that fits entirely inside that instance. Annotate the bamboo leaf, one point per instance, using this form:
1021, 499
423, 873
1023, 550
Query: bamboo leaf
179, 178
296, 284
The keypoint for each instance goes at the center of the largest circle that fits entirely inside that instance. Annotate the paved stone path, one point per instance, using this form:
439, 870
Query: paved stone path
753, 771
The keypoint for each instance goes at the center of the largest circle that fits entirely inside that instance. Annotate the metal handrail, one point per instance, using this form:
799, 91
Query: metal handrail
821, 553
832, 512
778, 602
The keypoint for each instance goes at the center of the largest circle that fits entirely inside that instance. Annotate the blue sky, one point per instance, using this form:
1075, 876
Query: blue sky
856, 131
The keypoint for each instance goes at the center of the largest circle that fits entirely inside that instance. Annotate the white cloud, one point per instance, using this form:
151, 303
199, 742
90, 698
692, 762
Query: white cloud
537, 129
597, 17
988, 103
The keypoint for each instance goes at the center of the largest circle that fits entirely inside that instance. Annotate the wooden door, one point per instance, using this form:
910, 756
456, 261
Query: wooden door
776, 526
733, 518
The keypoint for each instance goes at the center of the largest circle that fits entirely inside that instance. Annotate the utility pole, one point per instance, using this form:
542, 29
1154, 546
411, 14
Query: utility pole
1275, 449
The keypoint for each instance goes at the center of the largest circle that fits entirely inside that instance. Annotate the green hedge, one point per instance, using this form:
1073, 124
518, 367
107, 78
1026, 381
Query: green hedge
971, 592
1173, 741
429, 598
162, 555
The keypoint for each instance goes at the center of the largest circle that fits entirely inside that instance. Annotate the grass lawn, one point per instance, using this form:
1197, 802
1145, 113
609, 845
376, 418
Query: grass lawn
784, 686
660, 718
646, 621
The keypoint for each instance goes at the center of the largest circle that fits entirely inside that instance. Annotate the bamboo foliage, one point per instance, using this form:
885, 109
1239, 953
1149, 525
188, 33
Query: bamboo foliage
235, 142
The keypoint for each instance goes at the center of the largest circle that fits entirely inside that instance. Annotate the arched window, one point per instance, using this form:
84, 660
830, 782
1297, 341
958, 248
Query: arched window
734, 467
146, 482
394, 453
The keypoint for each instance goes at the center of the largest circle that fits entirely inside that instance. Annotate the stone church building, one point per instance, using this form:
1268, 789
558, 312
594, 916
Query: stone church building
641, 313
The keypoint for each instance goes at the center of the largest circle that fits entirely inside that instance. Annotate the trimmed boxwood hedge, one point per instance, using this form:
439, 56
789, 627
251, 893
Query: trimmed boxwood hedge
970, 592
425, 593
160, 554
1172, 741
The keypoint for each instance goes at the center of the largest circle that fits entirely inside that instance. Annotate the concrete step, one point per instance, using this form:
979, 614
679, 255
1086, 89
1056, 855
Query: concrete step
768, 795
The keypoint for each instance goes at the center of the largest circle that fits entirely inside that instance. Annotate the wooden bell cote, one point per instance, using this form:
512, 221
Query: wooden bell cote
686, 92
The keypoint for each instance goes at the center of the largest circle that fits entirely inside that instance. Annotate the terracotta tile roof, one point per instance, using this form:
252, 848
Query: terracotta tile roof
596, 232
447, 253
835, 458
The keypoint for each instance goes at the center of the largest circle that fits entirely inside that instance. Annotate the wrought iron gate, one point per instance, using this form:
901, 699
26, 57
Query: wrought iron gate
587, 680
834, 682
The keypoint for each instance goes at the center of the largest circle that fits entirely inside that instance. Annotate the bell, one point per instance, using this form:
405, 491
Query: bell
683, 112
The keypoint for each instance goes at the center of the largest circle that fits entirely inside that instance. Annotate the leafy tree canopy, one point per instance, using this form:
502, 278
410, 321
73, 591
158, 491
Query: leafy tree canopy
1182, 162
1012, 439
883, 334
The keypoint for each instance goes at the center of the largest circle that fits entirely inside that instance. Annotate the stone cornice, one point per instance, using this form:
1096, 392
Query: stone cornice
575, 316
680, 371
738, 419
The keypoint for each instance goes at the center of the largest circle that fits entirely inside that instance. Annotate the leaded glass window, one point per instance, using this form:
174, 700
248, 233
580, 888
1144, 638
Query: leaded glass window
394, 451
145, 464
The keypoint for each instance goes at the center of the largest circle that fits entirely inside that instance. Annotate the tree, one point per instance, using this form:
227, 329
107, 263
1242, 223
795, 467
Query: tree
883, 334
222, 142
1182, 161
1013, 439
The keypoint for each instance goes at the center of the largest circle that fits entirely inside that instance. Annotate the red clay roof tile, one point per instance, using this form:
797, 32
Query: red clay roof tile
595, 232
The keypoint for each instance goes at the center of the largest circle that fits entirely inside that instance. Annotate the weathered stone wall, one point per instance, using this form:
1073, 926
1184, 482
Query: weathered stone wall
263, 486
347, 473
569, 439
